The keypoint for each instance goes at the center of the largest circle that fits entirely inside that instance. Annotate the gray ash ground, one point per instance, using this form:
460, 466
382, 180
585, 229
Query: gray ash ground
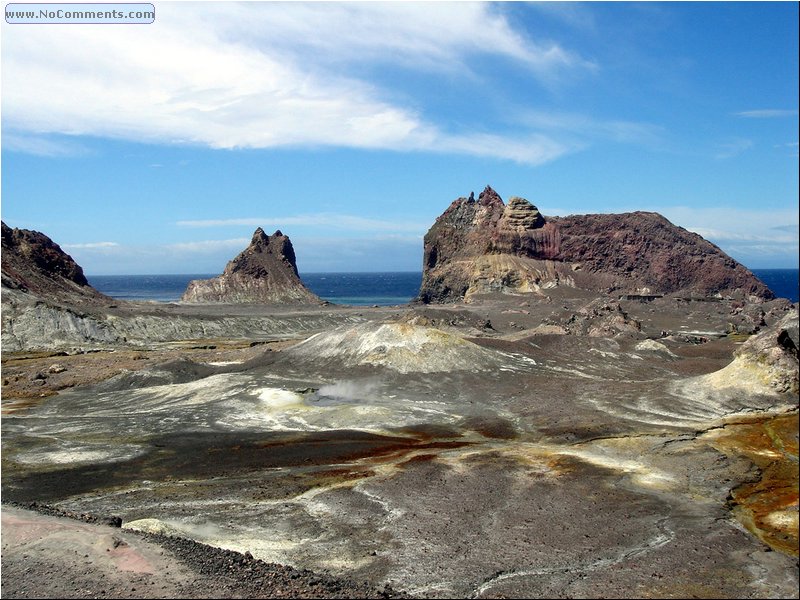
545, 447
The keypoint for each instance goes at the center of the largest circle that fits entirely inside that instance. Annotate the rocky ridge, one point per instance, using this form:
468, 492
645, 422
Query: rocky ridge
48, 303
265, 272
484, 245
35, 265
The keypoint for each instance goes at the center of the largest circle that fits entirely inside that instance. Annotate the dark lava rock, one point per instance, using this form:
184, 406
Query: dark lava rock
34, 264
265, 272
484, 245
252, 578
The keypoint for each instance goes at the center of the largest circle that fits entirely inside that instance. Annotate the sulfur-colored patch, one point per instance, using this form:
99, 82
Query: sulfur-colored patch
617, 455
154, 526
786, 520
74, 454
654, 346
277, 399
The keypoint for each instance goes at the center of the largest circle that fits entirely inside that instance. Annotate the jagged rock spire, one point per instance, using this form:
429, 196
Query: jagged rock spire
264, 272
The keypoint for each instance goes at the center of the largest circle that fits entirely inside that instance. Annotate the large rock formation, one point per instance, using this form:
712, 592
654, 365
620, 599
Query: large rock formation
49, 305
35, 265
265, 272
483, 245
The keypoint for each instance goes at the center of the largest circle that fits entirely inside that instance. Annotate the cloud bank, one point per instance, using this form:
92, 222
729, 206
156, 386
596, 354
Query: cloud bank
266, 75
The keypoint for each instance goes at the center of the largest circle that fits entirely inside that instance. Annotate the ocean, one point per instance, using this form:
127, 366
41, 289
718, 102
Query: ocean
782, 282
357, 289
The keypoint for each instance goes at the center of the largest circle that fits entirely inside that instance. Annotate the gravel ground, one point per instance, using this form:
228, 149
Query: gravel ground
47, 553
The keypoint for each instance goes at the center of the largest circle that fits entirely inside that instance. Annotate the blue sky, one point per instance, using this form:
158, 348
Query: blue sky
351, 126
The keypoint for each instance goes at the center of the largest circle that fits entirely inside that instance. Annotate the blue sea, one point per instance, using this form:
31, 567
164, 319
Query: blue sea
358, 289
782, 282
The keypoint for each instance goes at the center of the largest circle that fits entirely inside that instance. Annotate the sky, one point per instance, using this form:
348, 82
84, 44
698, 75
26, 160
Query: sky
159, 149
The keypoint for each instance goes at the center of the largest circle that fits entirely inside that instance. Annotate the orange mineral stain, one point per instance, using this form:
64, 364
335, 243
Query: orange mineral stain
768, 508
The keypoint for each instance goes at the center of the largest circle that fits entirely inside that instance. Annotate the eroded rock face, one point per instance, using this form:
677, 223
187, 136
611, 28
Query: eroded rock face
34, 264
643, 251
265, 272
773, 354
483, 245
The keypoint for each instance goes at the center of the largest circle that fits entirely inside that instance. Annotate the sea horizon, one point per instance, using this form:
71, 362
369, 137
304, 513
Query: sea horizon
368, 288
357, 288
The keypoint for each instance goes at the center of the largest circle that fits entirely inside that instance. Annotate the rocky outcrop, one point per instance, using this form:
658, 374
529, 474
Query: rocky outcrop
36, 266
643, 252
773, 353
265, 272
49, 305
483, 245
602, 317
767, 363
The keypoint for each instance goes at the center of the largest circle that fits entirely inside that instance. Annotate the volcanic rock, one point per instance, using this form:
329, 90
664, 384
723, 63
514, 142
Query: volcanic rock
602, 318
773, 354
766, 364
643, 252
35, 265
265, 272
483, 245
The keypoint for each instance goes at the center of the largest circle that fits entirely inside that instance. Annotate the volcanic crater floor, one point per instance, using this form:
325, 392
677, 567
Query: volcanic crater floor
519, 463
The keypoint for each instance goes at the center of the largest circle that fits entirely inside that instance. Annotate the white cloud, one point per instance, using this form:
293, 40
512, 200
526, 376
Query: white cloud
769, 113
42, 146
90, 245
436, 36
738, 236
791, 147
208, 246
260, 75
725, 220
375, 253
571, 13
382, 251
589, 127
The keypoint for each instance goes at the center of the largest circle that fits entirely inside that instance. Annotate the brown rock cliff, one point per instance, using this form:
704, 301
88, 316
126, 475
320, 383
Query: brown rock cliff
265, 272
34, 264
484, 245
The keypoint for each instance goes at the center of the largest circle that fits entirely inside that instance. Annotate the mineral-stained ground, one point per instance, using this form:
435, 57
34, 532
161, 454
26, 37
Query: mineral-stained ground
515, 446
